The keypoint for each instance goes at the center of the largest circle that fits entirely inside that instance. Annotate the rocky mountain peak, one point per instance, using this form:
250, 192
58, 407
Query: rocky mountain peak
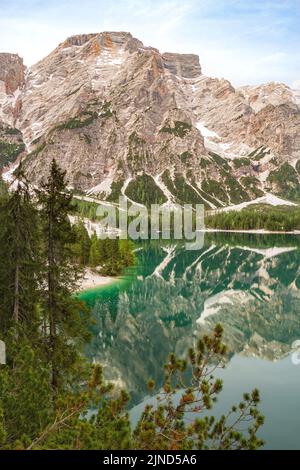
109, 40
77, 40
276, 94
182, 65
123, 118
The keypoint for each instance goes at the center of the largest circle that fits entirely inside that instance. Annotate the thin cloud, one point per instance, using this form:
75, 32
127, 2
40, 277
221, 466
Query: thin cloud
245, 41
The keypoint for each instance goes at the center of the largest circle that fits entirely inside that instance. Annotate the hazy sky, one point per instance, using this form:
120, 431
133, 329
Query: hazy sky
245, 41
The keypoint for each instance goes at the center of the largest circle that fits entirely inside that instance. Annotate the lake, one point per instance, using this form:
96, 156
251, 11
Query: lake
249, 283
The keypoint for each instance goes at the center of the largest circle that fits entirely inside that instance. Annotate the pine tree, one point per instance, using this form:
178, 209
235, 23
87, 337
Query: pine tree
65, 319
126, 252
94, 258
110, 256
81, 248
19, 263
25, 391
29, 419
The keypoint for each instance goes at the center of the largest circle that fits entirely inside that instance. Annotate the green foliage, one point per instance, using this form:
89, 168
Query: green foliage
220, 161
39, 149
137, 152
86, 118
9, 152
6, 132
185, 156
251, 183
64, 315
19, 258
106, 110
50, 398
258, 153
228, 189
236, 192
240, 162
25, 392
274, 161
164, 427
286, 182
253, 240
180, 129
84, 208
12, 131
82, 244
134, 139
189, 389
208, 197
94, 255
3, 189
204, 163
214, 188
116, 187
281, 218
179, 187
144, 190
111, 256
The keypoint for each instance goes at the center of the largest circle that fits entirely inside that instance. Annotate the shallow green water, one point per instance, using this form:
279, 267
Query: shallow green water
249, 283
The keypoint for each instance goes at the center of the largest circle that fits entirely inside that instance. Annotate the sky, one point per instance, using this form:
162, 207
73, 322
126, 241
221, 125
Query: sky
244, 41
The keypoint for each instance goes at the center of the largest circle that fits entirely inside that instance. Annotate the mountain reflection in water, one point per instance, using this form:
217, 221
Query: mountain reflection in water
248, 283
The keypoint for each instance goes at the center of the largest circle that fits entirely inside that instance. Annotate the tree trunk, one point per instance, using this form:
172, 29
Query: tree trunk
51, 300
16, 309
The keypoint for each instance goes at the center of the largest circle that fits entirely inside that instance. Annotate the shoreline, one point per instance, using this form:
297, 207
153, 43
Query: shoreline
257, 231
92, 280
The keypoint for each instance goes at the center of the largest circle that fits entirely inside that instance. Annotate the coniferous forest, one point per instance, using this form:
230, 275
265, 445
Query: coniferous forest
258, 217
50, 396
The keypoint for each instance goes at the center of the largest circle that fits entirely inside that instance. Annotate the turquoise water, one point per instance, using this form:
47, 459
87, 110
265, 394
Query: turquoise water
249, 283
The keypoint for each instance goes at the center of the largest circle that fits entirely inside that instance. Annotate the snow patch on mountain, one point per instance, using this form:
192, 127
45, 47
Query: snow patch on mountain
213, 142
103, 187
8, 175
267, 199
205, 131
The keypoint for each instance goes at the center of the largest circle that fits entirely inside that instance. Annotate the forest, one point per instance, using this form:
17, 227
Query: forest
280, 218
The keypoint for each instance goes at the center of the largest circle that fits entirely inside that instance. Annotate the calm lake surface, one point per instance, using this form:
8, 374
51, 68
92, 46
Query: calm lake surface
248, 283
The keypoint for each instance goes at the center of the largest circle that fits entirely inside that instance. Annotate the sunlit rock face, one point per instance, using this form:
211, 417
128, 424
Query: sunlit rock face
182, 65
114, 112
177, 295
11, 72
12, 79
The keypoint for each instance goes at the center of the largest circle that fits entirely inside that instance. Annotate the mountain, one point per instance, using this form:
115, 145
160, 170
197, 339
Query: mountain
123, 118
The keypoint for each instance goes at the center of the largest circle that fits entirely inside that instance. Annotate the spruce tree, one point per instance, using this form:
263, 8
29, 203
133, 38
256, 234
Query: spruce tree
82, 245
65, 317
94, 258
19, 266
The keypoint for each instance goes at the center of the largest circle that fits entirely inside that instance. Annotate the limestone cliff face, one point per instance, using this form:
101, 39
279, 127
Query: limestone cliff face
119, 116
12, 79
182, 65
11, 72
